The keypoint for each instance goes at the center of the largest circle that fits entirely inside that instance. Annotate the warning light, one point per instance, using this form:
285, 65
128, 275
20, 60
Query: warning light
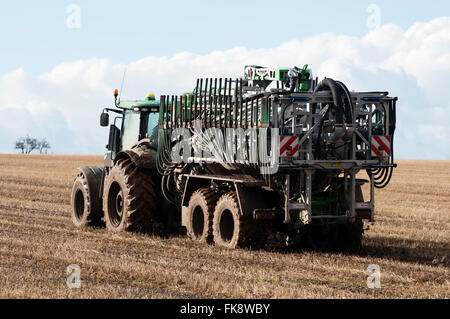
150, 97
116, 92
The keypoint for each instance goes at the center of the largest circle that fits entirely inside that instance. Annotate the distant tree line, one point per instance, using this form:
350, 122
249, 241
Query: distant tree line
29, 144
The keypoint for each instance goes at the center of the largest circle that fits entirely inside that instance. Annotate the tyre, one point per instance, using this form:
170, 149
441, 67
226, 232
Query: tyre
320, 237
85, 200
345, 237
129, 199
200, 215
230, 228
341, 237
350, 236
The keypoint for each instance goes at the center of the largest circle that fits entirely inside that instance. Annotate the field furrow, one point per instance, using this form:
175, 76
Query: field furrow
410, 242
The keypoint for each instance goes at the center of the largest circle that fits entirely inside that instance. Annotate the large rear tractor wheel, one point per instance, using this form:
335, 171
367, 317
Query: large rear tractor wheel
85, 200
129, 199
200, 215
230, 228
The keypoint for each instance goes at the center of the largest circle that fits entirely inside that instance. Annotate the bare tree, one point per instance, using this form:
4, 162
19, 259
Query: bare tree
43, 146
20, 145
31, 144
28, 144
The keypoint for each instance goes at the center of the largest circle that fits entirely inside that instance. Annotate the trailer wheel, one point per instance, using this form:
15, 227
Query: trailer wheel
200, 214
345, 237
350, 236
230, 228
129, 199
321, 237
85, 201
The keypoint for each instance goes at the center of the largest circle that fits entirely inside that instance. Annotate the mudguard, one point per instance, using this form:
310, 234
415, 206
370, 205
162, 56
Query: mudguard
138, 157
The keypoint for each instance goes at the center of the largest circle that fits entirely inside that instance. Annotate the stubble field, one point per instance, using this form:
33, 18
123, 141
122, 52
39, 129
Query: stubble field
410, 242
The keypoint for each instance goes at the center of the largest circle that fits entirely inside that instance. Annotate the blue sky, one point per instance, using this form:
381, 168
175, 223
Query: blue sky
55, 80
34, 33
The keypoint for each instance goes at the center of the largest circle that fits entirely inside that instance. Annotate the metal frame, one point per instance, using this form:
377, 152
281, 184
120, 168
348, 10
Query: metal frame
363, 106
228, 108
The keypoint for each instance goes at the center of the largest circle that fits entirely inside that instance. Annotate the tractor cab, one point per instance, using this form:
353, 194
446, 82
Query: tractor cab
136, 122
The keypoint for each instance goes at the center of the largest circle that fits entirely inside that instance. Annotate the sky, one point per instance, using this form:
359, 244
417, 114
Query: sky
61, 60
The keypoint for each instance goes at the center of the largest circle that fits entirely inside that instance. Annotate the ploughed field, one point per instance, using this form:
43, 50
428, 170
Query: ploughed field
409, 242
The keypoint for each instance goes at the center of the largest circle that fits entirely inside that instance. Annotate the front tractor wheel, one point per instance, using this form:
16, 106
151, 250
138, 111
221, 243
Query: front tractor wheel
231, 229
129, 199
85, 200
200, 215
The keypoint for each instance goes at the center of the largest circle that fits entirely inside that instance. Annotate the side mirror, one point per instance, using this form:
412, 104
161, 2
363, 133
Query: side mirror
114, 139
104, 119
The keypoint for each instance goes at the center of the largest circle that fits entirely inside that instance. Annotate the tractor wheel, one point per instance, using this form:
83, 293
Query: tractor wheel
200, 214
230, 228
129, 199
85, 201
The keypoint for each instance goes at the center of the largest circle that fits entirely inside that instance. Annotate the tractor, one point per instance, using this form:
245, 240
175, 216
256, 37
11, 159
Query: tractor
270, 158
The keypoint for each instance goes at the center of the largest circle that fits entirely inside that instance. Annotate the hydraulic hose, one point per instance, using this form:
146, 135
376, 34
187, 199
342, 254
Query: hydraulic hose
165, 183
381, 177
329, 84
349, 104
318, 151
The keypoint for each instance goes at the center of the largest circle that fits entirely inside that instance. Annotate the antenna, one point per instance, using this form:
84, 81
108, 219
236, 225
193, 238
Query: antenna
123, 80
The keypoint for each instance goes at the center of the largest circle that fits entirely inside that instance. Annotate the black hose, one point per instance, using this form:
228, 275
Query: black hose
384, 181
164, 189
329, 84
381, 176
318, 151
379, 180
349, 105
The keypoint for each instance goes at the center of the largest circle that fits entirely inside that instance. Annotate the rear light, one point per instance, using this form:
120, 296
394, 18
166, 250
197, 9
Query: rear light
264, 214
362, 214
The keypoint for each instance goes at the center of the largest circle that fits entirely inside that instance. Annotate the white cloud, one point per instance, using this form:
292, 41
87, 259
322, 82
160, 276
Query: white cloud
414, 64
438, 133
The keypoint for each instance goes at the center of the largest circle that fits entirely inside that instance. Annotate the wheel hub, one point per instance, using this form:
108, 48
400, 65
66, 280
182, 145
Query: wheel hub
119, 204
79, 204
115, 204
226, 225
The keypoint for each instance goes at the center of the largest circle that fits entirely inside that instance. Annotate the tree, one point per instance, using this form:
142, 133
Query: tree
43, 145
31, 144
28, 144
20, 145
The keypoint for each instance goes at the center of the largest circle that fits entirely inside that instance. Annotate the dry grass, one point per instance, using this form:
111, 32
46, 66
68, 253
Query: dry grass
409, 241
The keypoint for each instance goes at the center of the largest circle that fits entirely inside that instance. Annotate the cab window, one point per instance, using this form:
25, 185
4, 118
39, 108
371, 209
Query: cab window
131, 126
152, 128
